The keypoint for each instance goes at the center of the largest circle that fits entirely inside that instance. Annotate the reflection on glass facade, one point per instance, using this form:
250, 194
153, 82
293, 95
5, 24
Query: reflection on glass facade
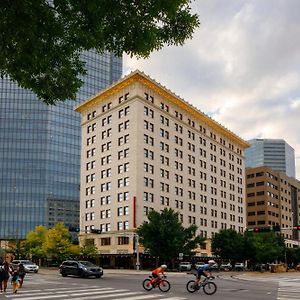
40, 152
274, 153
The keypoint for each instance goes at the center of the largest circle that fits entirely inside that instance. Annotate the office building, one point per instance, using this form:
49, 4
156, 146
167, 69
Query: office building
273, 198
143, 149
274, 153
40, 152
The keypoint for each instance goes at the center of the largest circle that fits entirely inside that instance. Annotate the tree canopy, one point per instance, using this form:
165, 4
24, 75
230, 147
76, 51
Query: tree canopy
41, 41
164, 235
33, 244
58, 242
265, 247
268, 246
228, 244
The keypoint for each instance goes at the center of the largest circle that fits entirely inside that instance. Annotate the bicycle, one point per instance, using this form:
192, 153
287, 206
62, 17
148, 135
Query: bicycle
163, 284
209, 287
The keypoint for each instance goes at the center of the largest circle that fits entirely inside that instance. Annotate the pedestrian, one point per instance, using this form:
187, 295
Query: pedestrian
15, 281
1, 277
6, 272
21, 273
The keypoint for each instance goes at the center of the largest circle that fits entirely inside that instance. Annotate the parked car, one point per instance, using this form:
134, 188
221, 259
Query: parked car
225, 267
215, 267
239, 267
185, 266
80, 268
261, 267
29, 266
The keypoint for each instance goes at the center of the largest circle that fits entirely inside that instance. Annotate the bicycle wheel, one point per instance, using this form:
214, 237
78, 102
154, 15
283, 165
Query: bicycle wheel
190, 286
209, 288
147, 284
164, 285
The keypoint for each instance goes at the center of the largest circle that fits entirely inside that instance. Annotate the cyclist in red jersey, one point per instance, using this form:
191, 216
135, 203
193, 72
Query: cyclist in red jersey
158, 273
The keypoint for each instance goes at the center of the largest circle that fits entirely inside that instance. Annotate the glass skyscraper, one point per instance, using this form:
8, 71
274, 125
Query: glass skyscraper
274, 153
40, 152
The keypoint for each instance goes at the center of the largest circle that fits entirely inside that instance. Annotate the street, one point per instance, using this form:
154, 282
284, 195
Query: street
127, 285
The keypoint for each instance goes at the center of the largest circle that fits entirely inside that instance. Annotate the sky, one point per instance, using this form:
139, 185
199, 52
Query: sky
242, 67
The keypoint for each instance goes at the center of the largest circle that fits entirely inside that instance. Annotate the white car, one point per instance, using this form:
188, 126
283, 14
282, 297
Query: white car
29, 266
185, 266
239, 267
226, 267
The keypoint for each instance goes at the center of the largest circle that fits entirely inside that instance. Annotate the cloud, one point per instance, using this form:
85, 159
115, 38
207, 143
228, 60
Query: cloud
241, 67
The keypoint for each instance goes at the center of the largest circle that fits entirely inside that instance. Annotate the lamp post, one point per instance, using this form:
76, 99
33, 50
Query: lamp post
136, 236
136, 240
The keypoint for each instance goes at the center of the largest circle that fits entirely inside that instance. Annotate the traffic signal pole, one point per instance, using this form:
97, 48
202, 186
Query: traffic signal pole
274, 228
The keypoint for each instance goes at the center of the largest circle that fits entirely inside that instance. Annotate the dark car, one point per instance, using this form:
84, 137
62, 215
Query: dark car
80, 268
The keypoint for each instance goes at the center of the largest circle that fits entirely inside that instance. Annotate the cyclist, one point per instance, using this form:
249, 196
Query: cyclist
204, 270
158, 273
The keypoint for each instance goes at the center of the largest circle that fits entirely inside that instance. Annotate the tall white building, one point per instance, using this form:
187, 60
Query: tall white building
144, 148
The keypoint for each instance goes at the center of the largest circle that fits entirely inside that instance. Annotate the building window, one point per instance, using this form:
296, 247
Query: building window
105, 241
123, 240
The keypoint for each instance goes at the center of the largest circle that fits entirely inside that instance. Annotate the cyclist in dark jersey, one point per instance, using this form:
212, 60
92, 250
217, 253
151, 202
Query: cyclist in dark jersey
204, 270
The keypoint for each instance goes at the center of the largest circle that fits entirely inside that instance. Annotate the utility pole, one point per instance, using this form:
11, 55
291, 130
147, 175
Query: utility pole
136, 236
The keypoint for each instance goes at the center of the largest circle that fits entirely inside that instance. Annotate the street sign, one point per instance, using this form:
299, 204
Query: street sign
180, 255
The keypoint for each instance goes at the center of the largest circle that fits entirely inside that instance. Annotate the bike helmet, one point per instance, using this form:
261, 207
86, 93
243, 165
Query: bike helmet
211, 262
164, 266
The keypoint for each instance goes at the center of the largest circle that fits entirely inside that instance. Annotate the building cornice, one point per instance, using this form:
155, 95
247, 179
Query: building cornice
140, 77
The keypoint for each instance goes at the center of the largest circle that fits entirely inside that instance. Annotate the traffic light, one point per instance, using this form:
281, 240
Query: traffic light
276, 228
262, 229
97, 231
266, 228
74, 229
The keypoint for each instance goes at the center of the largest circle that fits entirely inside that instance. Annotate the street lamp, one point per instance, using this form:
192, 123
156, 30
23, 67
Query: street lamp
136, 238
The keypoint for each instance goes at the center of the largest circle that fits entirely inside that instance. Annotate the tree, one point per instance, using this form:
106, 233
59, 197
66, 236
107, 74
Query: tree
268, 246
33, 244
57, 244
89, 250
41, 41
164, 235
228, 244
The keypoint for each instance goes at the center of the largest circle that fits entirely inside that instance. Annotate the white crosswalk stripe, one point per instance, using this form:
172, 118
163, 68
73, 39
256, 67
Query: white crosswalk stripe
288, 290
87, 293
288, 287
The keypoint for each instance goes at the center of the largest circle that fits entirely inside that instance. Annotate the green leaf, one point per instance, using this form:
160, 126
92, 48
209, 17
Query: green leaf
41, 40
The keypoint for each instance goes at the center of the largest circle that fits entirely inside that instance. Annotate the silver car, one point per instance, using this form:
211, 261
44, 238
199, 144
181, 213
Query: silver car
29, 266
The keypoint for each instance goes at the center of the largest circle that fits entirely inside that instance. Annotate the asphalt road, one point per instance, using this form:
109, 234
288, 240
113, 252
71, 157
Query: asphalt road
127, 285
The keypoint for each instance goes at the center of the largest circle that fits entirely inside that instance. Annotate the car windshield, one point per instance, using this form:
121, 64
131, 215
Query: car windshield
87, 264
26, 262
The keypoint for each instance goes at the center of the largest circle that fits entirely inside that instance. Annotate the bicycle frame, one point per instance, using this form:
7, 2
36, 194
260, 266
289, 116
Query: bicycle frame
151, 283
156, 281
207, 285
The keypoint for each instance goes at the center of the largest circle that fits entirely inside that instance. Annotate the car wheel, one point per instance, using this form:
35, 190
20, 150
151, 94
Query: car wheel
35, 271
82, 274
98, 276
63, 274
